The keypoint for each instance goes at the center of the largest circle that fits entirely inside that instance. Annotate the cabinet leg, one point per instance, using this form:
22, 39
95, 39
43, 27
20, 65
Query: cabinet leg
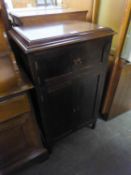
93, 125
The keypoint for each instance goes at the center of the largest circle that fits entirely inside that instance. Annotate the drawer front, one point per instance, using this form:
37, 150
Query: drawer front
13, 107
53, 62
58, 61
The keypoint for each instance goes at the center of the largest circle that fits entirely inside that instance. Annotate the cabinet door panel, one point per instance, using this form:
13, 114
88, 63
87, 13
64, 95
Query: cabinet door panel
85, 99
69, 105
58, 112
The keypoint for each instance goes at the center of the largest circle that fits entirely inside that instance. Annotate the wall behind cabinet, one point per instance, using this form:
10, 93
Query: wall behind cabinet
110, 15
110, 12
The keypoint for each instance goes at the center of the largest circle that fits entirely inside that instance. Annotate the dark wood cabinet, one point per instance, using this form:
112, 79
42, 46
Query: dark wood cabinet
68, 71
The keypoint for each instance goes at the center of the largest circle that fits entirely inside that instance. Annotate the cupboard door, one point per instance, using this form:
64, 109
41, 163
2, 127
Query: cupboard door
86, 91
69, 104
58, 112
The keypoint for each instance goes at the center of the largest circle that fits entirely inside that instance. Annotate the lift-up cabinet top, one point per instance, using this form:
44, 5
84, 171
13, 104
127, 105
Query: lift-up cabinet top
67, 63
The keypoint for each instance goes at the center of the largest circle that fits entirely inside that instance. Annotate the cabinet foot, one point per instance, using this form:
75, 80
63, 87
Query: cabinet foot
92, 125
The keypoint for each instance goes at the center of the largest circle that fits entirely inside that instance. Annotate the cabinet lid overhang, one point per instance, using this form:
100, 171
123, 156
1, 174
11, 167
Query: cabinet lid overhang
41, 37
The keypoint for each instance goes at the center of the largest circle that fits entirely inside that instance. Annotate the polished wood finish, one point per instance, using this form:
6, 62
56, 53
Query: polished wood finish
37, 17
36, 38
68, 68
115, 75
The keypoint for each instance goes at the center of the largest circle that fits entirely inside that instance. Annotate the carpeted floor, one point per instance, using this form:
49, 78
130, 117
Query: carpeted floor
103, 151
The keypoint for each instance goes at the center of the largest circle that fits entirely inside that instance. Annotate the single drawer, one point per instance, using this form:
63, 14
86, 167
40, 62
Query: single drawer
63, 60
13, 107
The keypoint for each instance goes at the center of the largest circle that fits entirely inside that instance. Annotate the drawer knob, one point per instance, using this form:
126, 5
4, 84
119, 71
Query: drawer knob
77, 61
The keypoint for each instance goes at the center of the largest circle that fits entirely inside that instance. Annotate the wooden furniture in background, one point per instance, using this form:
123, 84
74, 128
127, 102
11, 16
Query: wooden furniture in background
72, 11
4, 16
20, 141
42, 16
68, 68
3, 40
7, 74
115, 74
122, 98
